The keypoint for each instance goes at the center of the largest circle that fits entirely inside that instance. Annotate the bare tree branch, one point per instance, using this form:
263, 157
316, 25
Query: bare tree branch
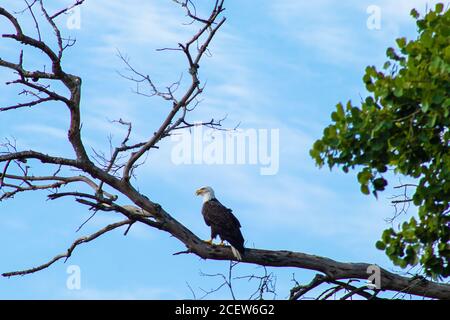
142, 209
74, 245
192, 92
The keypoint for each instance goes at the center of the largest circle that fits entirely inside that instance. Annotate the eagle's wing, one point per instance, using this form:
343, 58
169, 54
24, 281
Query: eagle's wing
217, 214
223, 223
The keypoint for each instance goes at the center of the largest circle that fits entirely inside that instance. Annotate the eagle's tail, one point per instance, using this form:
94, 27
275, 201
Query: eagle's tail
238, 253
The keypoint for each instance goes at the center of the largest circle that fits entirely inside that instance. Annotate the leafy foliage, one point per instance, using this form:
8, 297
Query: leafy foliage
403, 125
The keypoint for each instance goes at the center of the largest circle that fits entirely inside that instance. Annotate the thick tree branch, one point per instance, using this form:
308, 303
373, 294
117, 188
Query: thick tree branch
333, 270
44, 158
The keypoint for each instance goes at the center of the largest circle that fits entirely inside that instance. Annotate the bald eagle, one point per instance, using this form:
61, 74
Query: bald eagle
222, 221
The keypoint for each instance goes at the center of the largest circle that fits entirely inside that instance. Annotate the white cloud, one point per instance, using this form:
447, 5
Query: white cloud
135, 22
288, 203
14, 224
334, 43
319, 25
331, 29
43, 130
134, 27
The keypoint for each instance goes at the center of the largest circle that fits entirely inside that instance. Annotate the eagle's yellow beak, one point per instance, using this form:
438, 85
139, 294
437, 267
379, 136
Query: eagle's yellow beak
199, 192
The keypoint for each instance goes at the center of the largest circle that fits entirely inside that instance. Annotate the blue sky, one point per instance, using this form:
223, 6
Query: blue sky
275, 65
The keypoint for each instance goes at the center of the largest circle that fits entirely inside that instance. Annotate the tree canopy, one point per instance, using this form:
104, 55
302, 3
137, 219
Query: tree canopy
402, 126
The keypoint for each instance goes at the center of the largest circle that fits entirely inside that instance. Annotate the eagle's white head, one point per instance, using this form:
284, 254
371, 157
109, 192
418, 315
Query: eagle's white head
206, 192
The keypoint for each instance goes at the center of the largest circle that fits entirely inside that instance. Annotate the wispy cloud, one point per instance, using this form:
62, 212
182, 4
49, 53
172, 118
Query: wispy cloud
14, 224
331, 29
320, 25
43, 130
134, 27
135, 22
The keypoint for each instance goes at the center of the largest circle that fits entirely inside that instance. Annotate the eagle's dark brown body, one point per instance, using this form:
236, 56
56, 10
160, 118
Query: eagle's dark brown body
223, 223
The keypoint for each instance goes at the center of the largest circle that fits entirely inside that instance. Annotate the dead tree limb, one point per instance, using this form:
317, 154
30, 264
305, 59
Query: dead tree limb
17, 176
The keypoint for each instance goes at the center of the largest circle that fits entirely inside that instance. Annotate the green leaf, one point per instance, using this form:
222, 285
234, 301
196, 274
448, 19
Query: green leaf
335, 116
364, 176
365, 189
415, 14
386, 235
380, 184
390, 52
340, 111
398, 92
425, 106
380, 245
401, 42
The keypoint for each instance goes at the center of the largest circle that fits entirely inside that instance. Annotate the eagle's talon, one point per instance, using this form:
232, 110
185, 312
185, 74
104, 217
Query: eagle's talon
210, 242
